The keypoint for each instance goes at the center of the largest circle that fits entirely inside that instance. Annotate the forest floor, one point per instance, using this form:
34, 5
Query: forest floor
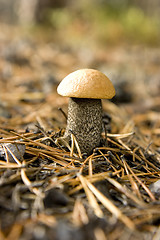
50, 192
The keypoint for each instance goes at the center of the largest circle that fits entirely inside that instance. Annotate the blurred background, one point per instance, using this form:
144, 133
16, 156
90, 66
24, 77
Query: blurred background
97, 20
41, 41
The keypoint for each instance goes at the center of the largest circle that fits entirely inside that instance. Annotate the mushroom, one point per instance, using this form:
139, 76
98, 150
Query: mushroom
85, 89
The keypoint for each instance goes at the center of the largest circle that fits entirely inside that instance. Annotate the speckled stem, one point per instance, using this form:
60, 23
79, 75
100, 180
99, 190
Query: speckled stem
85, 122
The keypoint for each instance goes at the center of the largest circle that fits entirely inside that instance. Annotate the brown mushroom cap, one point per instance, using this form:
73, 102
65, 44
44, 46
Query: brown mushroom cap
86, 83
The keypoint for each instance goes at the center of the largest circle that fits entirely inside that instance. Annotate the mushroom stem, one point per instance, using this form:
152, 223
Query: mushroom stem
85, 122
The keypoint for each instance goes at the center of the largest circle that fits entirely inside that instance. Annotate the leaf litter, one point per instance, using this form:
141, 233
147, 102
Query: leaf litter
49, 191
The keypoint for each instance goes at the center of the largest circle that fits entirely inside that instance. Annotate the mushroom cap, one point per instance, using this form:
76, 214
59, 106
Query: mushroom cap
86, 83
